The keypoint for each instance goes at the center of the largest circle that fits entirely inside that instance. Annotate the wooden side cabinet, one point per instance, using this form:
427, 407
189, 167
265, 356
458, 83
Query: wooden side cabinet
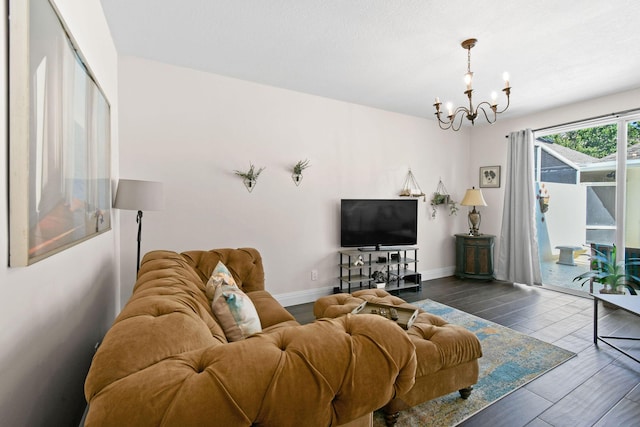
474, 256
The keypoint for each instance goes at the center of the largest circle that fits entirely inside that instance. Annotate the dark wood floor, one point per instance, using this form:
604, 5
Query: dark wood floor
599, 386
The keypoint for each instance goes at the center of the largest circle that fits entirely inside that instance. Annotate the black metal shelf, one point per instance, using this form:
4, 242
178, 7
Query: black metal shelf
395, 265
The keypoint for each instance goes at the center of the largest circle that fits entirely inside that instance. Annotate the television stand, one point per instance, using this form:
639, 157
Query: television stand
395, 267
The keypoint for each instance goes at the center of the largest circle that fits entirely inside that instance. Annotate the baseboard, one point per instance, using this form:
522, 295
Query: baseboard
438, 273
302, 297
311, 295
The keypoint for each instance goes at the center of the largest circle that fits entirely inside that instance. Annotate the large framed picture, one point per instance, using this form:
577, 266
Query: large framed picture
490, 176
59, 138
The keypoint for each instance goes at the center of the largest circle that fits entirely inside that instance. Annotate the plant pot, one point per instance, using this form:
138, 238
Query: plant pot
609, 291
297, 178
249, 183
440, 199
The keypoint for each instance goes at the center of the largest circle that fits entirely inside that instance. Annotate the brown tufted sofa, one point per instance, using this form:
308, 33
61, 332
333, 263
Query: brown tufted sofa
447, 354
166, 361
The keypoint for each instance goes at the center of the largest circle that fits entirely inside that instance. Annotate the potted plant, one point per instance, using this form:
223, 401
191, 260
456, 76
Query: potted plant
250, 177
297, 170
442, 199
612, 274
439, 199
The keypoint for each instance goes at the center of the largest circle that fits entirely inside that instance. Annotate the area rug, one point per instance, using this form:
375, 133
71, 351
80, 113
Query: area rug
510, 360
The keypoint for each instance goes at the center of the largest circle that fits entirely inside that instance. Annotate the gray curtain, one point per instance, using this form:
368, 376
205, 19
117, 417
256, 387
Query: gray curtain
518, 259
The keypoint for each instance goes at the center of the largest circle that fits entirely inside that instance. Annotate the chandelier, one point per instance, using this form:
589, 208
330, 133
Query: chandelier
471, 113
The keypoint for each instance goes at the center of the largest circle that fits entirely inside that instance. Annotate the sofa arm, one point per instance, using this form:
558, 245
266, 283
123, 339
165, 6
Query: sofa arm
325, 373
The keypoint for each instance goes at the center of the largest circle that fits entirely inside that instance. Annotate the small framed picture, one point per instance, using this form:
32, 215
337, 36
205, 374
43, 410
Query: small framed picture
490, 176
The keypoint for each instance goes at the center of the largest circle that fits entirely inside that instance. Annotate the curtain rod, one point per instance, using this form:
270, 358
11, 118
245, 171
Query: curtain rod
616, 114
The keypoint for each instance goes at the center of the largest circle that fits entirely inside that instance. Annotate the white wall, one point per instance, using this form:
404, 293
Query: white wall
54, 311
489, 145
191, 130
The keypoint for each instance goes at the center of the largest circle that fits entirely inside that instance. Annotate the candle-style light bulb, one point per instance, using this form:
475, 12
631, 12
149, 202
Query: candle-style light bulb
494, 98
450, 108
505, 77
467, 79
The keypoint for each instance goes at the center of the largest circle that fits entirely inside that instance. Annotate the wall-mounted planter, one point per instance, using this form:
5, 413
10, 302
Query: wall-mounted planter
411, 188
249, 183
442, 198
250, 177
297, 171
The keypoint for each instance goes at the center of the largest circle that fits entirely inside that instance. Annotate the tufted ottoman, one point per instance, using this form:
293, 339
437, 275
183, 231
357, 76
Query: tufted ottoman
447, 354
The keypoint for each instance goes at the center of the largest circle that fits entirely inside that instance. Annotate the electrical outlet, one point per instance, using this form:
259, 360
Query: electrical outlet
314, 274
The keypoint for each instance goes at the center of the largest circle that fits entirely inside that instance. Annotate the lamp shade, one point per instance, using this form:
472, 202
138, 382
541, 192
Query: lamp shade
473, 197
137, 195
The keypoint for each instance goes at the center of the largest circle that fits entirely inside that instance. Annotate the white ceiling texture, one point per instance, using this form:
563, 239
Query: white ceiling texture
397, 55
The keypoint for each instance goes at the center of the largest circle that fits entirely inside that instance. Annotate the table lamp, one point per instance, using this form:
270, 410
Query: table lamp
473, 197
141, 196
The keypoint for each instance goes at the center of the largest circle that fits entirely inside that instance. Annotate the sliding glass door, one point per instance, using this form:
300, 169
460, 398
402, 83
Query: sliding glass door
588, 179
631, 232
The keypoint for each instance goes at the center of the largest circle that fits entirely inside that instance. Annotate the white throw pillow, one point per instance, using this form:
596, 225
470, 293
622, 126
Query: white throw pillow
232, 307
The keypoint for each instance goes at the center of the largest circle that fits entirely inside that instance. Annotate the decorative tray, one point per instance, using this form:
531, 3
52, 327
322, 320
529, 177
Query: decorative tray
403, 316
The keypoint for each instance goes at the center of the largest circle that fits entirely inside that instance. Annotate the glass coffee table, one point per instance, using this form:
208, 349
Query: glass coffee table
628, 303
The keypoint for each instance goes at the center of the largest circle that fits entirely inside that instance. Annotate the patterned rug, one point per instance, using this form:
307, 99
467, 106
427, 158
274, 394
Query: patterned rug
510, 360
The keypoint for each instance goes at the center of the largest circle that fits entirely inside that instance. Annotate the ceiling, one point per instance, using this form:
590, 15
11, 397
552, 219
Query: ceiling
397, 55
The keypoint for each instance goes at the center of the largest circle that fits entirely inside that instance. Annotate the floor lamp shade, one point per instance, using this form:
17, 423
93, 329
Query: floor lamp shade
473, 197
139, 196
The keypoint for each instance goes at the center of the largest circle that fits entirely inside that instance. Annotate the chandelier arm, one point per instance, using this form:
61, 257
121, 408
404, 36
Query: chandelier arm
440, 122
486, 116
464, 110
507, 92
447, 125
459, 113
460, 122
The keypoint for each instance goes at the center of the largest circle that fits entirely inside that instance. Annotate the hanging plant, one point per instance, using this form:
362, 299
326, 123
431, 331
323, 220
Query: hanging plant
250, 177
442, 197
297, 171
439, 199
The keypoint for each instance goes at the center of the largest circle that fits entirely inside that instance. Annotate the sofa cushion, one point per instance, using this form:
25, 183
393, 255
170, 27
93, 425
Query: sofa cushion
232, 307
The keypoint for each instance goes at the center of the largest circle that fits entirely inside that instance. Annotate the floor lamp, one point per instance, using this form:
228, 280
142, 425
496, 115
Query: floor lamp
134, 195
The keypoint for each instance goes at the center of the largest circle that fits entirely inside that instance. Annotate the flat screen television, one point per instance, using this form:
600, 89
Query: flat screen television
366, 223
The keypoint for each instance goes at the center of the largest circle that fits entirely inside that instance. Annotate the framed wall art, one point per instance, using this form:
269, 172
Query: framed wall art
59, 138
490, 176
